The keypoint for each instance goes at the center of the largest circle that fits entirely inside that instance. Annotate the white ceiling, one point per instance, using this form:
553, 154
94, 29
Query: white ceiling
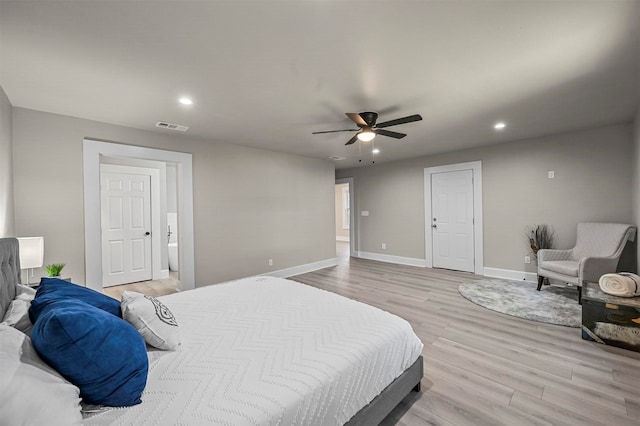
268, 73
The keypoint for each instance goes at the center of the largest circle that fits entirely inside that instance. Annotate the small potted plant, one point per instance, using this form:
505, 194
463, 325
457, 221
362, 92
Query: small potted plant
54, 269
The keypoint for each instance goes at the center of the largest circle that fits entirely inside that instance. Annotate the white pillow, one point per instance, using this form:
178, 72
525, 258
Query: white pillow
31, 392
17, 314
152, 319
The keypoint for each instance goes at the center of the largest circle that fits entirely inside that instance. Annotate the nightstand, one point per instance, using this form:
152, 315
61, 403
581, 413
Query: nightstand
36, 285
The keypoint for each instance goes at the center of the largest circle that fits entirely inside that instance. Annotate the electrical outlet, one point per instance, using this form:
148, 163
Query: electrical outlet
527, 259
551, 174
384, 246
270, 262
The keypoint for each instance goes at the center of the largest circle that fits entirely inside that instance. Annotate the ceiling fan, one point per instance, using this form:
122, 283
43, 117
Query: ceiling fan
368, 129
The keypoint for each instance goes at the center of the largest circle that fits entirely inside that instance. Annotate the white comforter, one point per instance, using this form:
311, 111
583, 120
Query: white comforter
269, 351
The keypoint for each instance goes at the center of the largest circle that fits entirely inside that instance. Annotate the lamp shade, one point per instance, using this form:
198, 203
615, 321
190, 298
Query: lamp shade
31, 252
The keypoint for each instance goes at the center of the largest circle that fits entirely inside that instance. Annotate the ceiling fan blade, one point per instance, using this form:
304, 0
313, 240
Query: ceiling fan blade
335, 131
390, 134
356, 119
352, 140
408, 119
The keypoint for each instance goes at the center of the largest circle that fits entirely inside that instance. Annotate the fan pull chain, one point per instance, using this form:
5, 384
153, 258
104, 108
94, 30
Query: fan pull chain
360, 150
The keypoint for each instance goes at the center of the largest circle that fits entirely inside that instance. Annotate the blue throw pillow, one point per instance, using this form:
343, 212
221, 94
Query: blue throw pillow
101, 354
52, 289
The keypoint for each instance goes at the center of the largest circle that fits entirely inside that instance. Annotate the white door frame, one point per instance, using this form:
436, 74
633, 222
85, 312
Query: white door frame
352, 222
476, 168
157, 236
92, 150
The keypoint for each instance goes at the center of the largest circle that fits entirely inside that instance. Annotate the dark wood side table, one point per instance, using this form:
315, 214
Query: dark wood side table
610, 320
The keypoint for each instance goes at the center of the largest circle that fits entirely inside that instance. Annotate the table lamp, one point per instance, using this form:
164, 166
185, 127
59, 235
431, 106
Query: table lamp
31, 254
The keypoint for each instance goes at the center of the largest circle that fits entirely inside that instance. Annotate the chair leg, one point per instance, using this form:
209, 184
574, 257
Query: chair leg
540, 281
579, 295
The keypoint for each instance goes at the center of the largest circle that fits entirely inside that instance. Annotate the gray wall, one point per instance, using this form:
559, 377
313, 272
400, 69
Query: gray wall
635, 188
242, 217
592, 183
7, 218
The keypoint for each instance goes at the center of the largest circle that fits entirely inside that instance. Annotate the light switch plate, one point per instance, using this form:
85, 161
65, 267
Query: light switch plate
364, 213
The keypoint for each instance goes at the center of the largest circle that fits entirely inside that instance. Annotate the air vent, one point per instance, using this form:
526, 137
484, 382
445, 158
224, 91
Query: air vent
337, 158
171, 126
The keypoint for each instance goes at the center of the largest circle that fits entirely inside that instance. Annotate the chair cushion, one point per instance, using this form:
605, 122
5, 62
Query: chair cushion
564, 267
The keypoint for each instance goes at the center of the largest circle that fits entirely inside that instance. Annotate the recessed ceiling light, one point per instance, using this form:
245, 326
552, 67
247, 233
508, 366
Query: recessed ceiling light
499, 125
185, 101
376, 151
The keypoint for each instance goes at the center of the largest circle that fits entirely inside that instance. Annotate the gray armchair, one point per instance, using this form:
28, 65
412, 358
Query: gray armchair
597, 251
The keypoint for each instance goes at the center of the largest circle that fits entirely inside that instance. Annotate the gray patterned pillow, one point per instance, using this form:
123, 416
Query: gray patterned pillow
153, 320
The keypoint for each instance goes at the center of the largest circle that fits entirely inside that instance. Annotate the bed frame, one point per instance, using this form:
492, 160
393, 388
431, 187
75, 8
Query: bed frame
383, 404
371, 414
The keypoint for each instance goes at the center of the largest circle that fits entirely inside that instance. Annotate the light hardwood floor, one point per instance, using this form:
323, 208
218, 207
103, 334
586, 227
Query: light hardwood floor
486, 368
151, 288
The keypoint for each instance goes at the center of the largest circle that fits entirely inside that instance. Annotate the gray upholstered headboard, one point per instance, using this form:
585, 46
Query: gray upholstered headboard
9, 272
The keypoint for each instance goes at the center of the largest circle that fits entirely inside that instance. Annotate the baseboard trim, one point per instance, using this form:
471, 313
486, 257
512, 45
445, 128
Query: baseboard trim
302, 269
510, 274
164, 273
342, 238
410, 261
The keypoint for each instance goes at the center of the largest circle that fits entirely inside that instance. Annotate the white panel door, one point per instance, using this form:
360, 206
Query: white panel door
126, 225
452, 220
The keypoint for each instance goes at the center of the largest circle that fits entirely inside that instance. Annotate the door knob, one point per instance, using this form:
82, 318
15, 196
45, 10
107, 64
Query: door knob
147, 233
434, 226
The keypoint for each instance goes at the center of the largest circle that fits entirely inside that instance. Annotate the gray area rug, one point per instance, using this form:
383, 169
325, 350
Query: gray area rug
553, 305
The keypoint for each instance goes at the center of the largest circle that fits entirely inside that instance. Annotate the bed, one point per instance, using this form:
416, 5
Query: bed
265, 351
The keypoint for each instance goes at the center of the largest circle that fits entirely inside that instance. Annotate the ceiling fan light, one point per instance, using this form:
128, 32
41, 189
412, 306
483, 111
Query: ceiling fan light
366, 135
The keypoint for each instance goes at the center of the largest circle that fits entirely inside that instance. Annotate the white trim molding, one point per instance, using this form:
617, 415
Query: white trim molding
510, 274
303, 269
339, 238
476, 168
410, 261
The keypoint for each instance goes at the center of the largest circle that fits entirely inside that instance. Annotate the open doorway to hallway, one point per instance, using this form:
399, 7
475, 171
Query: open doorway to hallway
344, 218
342, 212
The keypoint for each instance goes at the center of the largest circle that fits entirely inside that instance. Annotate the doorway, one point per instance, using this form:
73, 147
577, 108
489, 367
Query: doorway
453, 217
345, 217
95, 153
